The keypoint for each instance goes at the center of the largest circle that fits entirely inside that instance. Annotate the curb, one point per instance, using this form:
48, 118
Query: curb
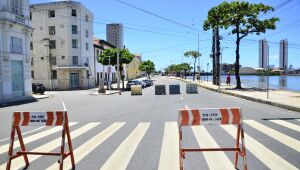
293, 108
18, 102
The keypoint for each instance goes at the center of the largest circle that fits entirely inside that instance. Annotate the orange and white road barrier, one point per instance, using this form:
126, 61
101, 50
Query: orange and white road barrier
216, 116
51, 118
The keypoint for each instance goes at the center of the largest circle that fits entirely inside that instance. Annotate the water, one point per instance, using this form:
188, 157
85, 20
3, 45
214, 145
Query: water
290, 83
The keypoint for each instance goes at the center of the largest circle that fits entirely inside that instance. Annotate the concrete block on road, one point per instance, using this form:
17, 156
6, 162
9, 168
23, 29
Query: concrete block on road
191, 88
174, 89
136, 90
160, 89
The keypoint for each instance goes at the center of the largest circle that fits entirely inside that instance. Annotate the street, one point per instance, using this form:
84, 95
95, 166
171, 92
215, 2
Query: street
136, 132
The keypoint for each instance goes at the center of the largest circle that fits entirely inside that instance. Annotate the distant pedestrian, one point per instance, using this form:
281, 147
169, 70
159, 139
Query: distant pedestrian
228, 80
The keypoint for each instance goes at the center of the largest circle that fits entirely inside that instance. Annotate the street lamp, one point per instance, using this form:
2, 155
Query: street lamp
207, 71
221, 62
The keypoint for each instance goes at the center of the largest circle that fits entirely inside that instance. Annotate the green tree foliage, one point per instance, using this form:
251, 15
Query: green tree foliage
195, 55
147, 66
243, 18
177, 68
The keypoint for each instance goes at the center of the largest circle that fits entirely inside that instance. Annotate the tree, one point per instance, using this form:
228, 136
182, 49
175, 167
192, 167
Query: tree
147, 66
195, 55
185, 67
125, 58
244, 19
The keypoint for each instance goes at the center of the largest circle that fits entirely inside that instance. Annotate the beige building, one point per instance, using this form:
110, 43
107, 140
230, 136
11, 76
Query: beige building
15, 57
132, 70
62, 45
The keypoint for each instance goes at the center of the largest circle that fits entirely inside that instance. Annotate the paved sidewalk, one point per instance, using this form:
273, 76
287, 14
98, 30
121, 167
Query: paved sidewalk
285, 99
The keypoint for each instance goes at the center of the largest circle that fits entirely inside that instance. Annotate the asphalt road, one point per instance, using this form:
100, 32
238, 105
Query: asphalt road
139, 132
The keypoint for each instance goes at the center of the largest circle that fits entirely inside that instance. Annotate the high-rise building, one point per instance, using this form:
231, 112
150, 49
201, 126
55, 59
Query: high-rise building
283, 55
114, 34
15, 56
263, 53
63, 45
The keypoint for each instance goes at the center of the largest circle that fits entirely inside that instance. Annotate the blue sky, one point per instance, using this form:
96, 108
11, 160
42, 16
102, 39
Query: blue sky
164, 42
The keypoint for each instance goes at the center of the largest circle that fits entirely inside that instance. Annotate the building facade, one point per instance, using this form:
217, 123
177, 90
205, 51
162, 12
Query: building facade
263, 53
283, 55
108, 73
114, 34
62, 45
15, 57
133, 71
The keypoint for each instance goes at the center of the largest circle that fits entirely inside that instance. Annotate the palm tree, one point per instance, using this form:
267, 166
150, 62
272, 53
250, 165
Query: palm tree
195, 55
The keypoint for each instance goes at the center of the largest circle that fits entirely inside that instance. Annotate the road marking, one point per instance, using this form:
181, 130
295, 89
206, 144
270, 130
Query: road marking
51, 145
25, 133
122, 155
214, 160
90, 145
181, 98
287, 124
169, 154
286, 140
186, 107
269, 158
34, 137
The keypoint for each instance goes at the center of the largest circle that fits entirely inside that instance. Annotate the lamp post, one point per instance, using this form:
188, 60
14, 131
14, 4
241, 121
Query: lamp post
207, 71
221, 63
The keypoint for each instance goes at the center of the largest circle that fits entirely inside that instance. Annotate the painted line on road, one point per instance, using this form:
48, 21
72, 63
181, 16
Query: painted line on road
280, 137
51, 145
90, 145
29, 139
122, 155
169, 154
214, 160
181, 98
31, 131
265, 155
186, 107
287, 124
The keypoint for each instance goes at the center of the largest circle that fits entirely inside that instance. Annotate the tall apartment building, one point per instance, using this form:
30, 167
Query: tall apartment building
114, 34
263, 53
15, 57
62, 45
283, 55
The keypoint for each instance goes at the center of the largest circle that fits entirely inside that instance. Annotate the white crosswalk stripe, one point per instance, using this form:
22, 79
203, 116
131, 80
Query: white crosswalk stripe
121, 157
28, 132
215, 160
34, 137
288, 141
269, 158
287, 124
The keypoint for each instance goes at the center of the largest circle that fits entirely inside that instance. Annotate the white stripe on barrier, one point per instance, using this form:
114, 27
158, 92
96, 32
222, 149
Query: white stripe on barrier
29, 139
214, 160
230, 116
265, 155
89, 146
282, 138
287, 124
122, 155
169, 154
51, 145
191, 117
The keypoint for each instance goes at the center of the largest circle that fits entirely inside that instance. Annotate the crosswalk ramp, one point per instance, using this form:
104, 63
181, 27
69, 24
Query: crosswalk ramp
270, 144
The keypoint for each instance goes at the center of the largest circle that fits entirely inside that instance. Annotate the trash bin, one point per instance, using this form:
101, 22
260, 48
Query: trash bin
174, 89
191, 88
160, 89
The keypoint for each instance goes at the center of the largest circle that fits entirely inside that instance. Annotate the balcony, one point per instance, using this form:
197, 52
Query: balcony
6, 15
69, 63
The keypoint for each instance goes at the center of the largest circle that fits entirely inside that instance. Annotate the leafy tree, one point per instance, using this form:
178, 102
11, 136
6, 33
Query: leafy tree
195, 55
147, 66
243, 18
125, 58
185, 67
177, 68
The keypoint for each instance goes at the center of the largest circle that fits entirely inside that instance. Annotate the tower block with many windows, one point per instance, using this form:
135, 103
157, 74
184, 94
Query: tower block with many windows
62, 45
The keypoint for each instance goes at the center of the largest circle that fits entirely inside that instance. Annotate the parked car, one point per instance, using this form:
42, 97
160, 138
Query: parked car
132, 82
38, 88
143, 83
148, 82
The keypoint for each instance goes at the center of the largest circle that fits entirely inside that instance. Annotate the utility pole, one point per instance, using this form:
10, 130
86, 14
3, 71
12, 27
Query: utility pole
213, 56
199, 56
118, 58
217, 56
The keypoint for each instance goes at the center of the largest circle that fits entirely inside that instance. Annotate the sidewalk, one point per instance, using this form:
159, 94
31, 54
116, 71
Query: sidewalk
280, 98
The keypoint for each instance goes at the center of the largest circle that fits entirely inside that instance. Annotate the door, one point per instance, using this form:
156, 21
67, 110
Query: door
74, 80
17, 78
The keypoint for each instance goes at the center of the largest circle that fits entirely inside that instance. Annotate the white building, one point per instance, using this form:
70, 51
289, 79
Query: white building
62, 45
263, 53
15, 57
283, 55
99, 70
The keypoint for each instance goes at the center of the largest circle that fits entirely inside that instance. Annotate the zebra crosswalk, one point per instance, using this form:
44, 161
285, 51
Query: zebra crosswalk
120, 156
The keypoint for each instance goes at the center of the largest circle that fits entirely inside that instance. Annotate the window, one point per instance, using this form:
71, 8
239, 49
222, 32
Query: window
86, 46
31, 61
42, 58
16, 7
86, 18
16, 45
63, 57
87, 74
51, 30
74, 29
74, 43
86, 33
74, 13
54, 74
52, 44
32, 74
51, 13
30, 15
75, 60
53, 60
31, 45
